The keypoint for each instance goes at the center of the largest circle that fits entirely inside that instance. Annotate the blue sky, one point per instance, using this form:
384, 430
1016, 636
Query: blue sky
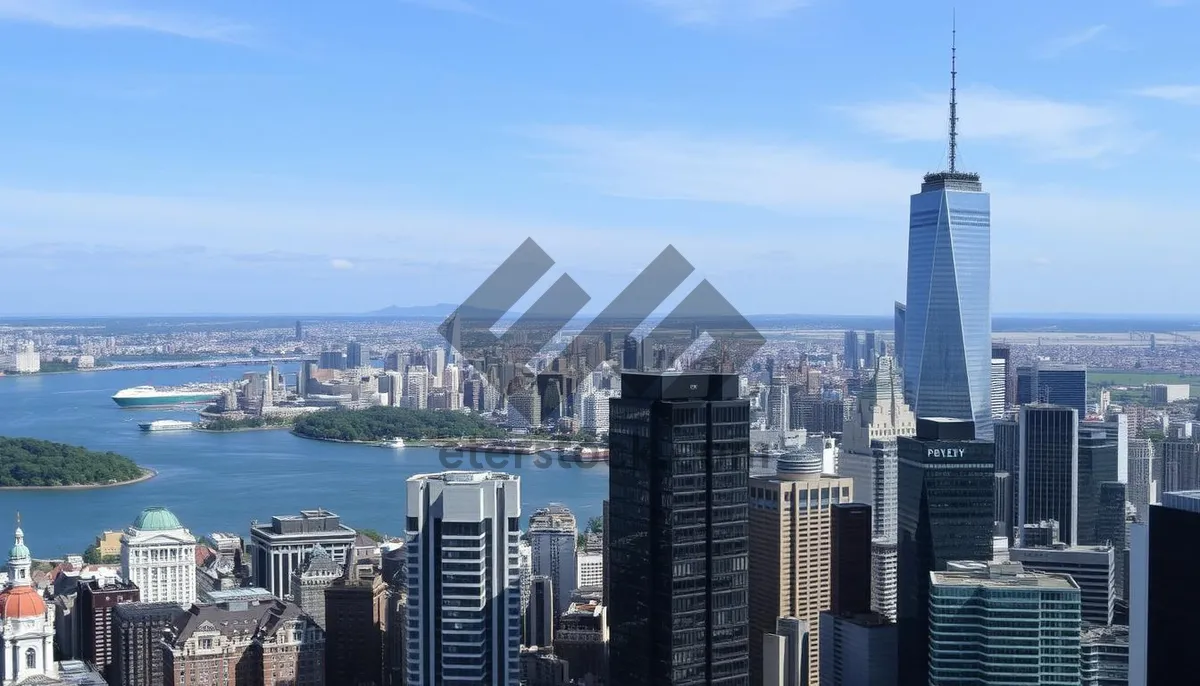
230, 156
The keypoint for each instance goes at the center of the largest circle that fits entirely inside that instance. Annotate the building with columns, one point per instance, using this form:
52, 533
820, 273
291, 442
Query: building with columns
26, 623
158, 556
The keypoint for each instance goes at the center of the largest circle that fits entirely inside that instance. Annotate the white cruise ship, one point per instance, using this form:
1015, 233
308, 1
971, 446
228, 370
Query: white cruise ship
166, 425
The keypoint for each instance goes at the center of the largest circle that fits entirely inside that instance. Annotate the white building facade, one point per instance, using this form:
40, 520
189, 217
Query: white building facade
159, 556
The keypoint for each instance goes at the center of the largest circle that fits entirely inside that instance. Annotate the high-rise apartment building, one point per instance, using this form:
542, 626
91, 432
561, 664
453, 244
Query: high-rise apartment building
1048, 469
1003, 351
999, 387
95, 603
868, 456
1104, 655
948, 322
791, 517
553, 537
464, 585
779, 413
158, 556
279, 548
1163, 593
416, 387
677, 531
1001, 624
946, 486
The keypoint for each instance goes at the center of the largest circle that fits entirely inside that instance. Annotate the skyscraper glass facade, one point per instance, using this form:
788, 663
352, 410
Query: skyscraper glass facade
947, 327
677, 531
1048, 470
946, 487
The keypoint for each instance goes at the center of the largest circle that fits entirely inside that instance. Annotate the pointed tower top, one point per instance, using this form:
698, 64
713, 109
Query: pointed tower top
953, 91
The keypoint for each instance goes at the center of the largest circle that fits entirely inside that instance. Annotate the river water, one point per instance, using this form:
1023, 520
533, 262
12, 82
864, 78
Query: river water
222, 482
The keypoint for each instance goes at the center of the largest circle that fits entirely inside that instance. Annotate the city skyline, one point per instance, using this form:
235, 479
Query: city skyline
395, 161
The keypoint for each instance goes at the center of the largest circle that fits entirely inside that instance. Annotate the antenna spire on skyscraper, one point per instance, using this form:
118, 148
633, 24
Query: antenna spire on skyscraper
953, 91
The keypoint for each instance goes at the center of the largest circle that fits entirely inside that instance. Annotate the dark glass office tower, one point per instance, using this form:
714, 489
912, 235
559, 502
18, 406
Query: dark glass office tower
1097, 465
1025, 385
1048, 469
1110, 529
678, 531
850, 351
850, 559
946, 482
898, 332
354, 355
1164, 595
1062, 384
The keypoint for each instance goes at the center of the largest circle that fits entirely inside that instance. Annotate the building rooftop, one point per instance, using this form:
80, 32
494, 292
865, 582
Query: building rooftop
1100, 633
1000, 575
464, 477
156, 519
1182, 500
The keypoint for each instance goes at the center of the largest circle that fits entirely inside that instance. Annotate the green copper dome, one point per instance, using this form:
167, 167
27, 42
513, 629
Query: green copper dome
19, 552
156, 519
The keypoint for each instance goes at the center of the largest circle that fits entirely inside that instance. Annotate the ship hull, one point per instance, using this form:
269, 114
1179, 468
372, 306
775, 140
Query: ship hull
166, 400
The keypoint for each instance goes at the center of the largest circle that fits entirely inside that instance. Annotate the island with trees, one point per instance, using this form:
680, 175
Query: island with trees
32, 463
385, 423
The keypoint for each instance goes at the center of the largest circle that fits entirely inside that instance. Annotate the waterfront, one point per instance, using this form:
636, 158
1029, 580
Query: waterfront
222, 481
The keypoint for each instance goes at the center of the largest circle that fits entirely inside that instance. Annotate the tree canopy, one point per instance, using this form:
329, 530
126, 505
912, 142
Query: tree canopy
30, 462
384, 423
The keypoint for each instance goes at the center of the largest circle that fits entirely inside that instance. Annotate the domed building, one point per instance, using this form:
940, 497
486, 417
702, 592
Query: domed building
26, 623
159, 556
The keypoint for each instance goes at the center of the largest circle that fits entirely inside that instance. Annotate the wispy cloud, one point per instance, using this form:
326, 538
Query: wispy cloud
1049, 130
1070, 41
453, 7
708, 12
95, 15
1184, 94
666, 165
340, 263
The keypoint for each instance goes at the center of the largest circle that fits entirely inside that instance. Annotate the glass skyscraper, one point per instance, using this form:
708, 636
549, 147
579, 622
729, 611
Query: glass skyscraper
946, 491
947, 324
677, 531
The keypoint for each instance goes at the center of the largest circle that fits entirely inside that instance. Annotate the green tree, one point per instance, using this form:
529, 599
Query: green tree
31, 462
384, 423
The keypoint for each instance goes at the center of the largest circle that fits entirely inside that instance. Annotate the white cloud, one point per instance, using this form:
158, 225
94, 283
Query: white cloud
867, 197
758, 173
724, 11
101, 14
1184, 94
339, 263
1047, 129
1061, 44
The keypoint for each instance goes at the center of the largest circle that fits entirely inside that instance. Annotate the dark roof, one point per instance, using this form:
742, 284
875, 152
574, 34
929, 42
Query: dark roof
255, 620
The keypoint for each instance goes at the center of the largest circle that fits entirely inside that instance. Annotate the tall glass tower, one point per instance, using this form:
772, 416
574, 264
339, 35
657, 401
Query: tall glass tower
947, 324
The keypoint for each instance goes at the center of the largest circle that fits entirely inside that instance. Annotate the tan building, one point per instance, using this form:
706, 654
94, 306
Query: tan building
790, 546
108, 544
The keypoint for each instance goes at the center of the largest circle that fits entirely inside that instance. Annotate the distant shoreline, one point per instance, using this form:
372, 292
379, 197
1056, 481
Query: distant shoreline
147, 474
413, 443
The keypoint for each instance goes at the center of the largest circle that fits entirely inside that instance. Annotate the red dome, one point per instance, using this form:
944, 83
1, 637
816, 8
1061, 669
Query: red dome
21, 602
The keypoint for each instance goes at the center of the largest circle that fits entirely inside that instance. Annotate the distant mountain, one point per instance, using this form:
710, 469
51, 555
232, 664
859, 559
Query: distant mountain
439, 310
